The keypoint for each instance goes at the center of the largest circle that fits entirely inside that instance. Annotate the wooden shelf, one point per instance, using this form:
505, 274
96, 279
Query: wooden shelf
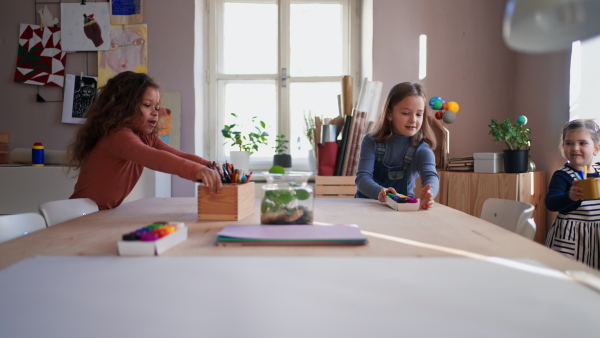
466, 191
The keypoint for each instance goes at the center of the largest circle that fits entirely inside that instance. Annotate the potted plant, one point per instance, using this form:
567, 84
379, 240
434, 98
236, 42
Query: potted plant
287, 199
309, 132
248, 143
517, 140
280, 157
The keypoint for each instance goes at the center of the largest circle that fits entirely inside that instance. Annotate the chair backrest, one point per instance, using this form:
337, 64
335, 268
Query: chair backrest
512, 215
63, 210
17, 225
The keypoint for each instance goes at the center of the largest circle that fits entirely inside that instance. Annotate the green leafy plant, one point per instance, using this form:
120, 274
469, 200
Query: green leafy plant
281, 144
285, 199
246, 142
280, 207
309, 128
515, 136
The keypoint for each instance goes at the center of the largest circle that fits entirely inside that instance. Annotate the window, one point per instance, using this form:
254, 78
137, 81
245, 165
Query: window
279, 60
584, 86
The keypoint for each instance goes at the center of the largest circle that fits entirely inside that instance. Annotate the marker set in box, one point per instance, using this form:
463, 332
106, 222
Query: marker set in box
152, 239
402, 202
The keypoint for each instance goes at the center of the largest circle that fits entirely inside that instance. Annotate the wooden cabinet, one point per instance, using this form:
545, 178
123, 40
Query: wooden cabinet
466, 191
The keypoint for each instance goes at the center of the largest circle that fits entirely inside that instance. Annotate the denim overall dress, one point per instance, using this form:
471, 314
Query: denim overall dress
395, 177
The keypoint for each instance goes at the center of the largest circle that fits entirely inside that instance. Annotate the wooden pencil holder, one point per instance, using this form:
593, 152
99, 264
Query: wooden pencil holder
235, 202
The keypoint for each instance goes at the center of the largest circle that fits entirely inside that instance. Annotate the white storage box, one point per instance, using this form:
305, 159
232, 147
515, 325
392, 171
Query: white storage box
401, 206
154, 248
489, 162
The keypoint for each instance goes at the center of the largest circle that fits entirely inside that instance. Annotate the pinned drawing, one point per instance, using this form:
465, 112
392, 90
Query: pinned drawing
85, 27
47, 18
128, 51
40, 60
80, 92
170, 119
165, 124
126, 12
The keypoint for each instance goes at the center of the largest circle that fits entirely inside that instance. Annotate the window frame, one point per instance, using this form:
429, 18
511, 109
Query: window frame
214, 120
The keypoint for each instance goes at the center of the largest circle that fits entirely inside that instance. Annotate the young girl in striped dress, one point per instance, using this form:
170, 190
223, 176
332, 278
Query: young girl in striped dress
576, 230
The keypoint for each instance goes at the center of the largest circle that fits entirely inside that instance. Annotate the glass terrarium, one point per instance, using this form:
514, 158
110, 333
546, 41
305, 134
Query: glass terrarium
287, 198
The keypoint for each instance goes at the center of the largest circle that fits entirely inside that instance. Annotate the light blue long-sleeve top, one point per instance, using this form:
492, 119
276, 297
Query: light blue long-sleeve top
423, 164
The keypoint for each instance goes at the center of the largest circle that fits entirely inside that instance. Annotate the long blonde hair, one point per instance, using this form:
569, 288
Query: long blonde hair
384, 131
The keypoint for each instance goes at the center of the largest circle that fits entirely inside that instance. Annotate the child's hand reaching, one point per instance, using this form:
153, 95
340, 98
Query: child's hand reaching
383, 193
211, 180
426, 198
576, 193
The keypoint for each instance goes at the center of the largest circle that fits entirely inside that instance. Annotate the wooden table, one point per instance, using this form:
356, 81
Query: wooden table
439, 232
428, 273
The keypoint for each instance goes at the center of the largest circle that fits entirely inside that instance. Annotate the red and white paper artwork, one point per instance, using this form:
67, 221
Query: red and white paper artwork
40, 60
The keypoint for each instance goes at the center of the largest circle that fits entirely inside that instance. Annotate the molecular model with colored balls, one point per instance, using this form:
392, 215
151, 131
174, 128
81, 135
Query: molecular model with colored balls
445, 111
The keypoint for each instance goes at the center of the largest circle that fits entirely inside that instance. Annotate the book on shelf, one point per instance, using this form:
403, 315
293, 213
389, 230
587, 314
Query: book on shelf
461, 160
464, 168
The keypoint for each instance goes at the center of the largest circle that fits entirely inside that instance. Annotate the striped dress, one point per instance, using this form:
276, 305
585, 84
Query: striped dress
576, 233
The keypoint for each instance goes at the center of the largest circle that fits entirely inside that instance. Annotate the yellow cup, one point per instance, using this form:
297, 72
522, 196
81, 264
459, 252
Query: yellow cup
591, 188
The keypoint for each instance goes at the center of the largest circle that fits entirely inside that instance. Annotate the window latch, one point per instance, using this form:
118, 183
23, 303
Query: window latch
284, 77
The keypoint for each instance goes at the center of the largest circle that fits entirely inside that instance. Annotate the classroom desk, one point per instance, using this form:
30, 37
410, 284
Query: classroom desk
439, 272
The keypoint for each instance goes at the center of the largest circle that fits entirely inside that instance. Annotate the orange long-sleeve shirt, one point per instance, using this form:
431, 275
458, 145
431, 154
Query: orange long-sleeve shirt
116, 163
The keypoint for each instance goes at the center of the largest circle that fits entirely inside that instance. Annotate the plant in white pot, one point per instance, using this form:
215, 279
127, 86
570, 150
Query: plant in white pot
518, 141
281, 147
248, 142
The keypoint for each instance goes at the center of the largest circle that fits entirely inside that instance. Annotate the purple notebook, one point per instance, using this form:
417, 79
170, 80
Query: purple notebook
291, 235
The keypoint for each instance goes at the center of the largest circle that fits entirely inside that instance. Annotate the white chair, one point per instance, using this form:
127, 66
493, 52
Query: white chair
63, 210
511, 215
17, 225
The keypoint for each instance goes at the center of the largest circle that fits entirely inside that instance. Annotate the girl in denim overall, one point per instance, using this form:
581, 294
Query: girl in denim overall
399, 149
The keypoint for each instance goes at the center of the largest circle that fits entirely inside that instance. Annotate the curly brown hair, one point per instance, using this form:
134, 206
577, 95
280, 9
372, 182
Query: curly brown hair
117, 105
384, 131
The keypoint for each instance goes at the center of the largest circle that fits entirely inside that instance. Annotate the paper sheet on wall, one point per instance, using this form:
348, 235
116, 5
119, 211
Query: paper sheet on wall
129, 51
85, 27
170, 131
80, 92
41, 59
126, 12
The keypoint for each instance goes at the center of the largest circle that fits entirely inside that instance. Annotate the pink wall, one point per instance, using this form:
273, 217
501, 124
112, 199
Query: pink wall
170, 59
468, 63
